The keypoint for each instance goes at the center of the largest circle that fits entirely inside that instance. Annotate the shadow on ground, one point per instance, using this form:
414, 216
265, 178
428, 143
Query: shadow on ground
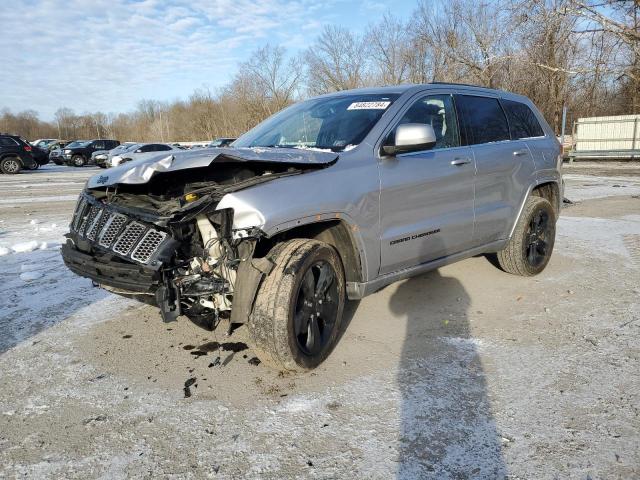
447, 428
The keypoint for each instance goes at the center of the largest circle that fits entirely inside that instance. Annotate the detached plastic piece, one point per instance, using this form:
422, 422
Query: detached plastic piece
168, 300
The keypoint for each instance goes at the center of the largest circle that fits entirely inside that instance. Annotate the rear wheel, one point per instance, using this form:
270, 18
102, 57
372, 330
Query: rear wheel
78, 161
298, 310
10, 165
529, 249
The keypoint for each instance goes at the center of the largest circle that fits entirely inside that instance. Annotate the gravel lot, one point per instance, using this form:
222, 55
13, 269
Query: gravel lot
465, 372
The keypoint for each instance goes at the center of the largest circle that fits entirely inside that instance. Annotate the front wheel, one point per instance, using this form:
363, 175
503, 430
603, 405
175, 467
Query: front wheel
78, 161
298, 309
10, 165
529, 249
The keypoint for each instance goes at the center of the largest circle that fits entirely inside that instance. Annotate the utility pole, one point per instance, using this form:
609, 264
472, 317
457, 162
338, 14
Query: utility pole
161, 128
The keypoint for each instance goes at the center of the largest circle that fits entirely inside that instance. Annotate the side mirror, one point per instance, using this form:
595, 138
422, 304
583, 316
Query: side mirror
411, 137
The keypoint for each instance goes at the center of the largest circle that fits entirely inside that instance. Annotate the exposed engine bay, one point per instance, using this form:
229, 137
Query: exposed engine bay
165, 243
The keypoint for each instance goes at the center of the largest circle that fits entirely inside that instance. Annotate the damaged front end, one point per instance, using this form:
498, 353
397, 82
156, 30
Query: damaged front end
160, 238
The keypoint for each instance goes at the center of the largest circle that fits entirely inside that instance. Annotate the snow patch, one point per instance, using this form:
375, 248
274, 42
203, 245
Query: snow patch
463, 343
586, 187
30, 246
30, 276
601, 236
59, 198
4, 251
299, 405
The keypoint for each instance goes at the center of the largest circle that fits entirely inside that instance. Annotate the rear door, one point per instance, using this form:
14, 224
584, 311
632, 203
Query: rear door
426, 196
503, 166
525, 126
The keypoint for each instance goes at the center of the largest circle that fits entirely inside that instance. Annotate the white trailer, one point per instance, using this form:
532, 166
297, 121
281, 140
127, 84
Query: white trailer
616, 137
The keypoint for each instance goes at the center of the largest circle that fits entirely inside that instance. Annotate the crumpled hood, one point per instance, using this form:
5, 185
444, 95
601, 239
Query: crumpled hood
141, 171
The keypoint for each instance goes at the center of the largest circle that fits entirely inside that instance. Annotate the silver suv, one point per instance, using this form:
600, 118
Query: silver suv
331, 198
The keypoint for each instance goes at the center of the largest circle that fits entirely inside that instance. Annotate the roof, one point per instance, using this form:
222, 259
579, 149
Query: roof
400, 89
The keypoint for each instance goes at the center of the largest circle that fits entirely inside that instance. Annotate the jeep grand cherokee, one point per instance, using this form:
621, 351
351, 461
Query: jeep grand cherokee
329, 199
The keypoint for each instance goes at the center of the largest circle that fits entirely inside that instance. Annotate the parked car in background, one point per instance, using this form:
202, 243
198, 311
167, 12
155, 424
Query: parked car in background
57, 144
100, 157
116, 153
43, 142
15, 154
142, 150
78, 154
40, 155
221, 142
56, 154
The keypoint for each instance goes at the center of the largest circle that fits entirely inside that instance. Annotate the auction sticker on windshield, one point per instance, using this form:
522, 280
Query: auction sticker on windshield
368, 105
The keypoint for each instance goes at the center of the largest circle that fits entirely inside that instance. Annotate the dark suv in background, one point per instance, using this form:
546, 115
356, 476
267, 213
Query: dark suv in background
79, 153
15, 154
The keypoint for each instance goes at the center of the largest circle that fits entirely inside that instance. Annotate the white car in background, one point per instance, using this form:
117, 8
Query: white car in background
100, 157
137, 151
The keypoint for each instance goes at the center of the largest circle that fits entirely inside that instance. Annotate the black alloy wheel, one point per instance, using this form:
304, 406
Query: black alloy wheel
538, 233
316, 308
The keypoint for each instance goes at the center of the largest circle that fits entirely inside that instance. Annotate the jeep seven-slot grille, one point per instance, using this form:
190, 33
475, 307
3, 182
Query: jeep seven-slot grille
111, 229
148, 245
116, 232
128, 238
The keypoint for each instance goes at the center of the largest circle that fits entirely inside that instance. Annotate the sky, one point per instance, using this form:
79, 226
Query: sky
106, 55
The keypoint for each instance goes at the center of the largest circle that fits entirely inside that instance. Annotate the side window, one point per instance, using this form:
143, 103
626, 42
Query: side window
437, 111
162, 148
146, 148
483, 119
522, 121
7, 142
98, 145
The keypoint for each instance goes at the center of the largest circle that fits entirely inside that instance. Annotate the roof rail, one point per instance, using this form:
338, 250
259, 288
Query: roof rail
460, 84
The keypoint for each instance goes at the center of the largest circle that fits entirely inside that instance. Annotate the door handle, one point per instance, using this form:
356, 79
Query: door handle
460, 161
519, 153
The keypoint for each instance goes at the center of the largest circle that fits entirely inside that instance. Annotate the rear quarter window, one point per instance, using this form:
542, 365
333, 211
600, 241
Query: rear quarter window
522, 121
7, 142
483, 119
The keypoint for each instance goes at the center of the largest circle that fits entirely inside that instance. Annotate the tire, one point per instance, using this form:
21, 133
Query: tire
287, 294
78, 161
10, 165
529, 249
35, 166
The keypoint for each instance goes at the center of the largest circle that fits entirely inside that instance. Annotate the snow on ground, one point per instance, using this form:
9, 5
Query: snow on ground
584, 187
36, 290
461, 373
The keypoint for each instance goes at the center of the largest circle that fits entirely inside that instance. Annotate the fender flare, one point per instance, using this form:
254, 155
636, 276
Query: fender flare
532, 186
319, 218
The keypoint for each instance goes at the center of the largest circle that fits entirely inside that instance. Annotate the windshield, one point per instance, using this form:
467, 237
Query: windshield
332, 123
78, 143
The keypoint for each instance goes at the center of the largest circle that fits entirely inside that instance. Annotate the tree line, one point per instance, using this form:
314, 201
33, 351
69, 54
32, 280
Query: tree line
582, 54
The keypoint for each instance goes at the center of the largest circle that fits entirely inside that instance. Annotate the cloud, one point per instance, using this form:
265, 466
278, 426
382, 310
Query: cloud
107, 54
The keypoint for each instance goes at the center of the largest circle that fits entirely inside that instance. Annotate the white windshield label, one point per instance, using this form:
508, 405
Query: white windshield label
369, 105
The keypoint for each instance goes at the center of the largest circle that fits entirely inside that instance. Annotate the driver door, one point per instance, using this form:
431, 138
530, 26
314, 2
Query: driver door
427, 197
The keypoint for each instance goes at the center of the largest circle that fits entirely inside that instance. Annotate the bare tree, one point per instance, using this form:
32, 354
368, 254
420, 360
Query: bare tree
275, 80
467, 40
336, 61
389, 46
619, 19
